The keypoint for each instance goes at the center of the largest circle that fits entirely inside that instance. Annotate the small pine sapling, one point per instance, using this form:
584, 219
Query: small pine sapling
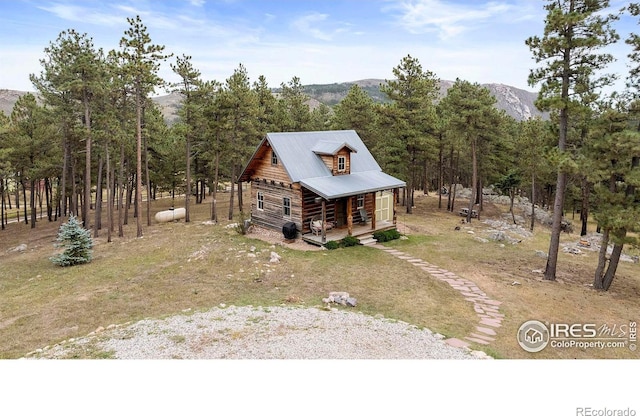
77, 244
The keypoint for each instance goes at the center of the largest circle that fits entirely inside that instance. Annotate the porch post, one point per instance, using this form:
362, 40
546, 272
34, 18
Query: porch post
373, 214
324, 220
395, 197
349, 216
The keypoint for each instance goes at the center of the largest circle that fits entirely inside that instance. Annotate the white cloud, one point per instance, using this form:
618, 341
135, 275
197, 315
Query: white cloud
82, 14
309, 25
446, 19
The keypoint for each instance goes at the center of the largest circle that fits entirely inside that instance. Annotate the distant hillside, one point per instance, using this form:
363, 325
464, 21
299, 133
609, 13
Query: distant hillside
518, 103
8, 98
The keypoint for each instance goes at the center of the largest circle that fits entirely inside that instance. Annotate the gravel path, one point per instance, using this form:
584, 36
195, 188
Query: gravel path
265, 333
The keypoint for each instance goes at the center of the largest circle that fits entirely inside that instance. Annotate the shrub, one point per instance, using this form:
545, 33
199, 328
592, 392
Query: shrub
243, 225
388, 235
331, 245
77, 244
349, 241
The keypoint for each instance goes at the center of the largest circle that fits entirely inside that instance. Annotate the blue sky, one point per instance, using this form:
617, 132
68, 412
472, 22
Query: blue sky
317, 41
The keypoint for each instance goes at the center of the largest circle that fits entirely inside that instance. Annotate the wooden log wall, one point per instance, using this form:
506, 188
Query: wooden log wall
312, 209
272, 215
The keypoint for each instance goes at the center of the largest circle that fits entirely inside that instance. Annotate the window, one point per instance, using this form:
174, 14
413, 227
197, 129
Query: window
360, 200
286, 207
342, 162
260, 201
274, 158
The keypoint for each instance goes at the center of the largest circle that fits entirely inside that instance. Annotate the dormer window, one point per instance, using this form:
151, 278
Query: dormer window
274, 158
342, 163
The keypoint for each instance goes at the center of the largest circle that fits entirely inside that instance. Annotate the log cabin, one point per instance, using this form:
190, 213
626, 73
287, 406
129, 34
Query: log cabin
327, 183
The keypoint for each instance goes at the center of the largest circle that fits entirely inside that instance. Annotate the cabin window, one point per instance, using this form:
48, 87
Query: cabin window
286, 207
342, 163
260, 201
360, 200
274, 158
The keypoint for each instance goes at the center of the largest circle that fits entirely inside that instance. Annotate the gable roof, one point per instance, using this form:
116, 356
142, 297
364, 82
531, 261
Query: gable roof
324, 147
298, 152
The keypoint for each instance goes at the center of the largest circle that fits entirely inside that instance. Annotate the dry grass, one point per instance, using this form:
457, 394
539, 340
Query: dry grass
178, 266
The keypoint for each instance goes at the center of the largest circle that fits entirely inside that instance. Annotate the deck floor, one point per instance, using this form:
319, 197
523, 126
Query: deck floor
341, 232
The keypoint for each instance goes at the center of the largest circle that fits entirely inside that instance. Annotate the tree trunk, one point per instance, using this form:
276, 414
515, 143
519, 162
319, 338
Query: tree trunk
233, 178
2, 203
440, 173
602, 261
554, 244
214, 208
187, 196
240, 202
147, 180
109, 195
451, 176
87, 163
63, 185
474, 180
614, 259
533, 201
98, 208
48, 188
121, 193
512, 196
24, 197
584, 210
138, 159
32, 203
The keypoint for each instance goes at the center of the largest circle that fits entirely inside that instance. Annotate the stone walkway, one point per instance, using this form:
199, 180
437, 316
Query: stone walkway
488, 310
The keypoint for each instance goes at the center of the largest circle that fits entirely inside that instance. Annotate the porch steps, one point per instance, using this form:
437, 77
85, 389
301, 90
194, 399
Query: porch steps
367, 240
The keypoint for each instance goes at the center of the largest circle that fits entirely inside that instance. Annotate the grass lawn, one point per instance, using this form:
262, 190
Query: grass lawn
195, 266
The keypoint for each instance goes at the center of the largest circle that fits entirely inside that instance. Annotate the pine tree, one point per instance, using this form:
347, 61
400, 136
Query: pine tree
77, 244
574, 32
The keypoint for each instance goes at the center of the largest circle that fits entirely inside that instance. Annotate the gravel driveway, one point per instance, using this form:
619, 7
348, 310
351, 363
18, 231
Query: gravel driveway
264, 333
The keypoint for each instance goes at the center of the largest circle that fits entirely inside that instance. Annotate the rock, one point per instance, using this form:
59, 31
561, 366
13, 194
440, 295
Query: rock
498, 236
479, 354
539, 271
540, 253
481, 240
515, 283
19, 248
351, 302
275, 258
572, 250
251, 254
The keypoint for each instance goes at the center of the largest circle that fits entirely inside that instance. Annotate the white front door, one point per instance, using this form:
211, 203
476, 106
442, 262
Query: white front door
384, 201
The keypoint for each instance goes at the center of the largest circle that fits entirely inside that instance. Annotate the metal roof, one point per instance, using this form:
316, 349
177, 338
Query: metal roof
324, 147
294, 150
331, 187
298, 152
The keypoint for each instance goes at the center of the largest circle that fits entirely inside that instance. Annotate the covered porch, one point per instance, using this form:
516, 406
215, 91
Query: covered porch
337, 234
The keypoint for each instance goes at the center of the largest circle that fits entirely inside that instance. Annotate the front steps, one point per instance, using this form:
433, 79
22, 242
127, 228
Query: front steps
366, 240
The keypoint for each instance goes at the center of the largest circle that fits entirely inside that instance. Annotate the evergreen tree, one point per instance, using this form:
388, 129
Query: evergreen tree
357, 111
76, 242
472, 116
614, 169
142, 63
189, 112
413, 93
574, 31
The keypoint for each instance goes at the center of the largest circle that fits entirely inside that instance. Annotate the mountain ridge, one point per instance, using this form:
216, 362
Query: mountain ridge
516, 102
